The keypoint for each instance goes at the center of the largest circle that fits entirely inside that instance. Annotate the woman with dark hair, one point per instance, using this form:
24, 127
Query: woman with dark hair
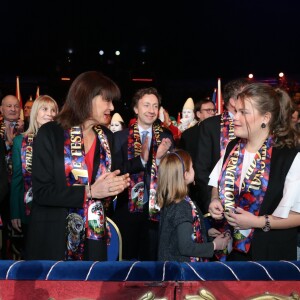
72, 176
256, 182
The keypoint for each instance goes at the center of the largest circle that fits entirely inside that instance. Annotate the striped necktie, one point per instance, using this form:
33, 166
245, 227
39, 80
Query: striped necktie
146, 194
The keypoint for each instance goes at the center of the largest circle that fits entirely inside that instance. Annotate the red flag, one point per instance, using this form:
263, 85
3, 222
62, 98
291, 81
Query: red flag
37, 92
178, 118
18, 95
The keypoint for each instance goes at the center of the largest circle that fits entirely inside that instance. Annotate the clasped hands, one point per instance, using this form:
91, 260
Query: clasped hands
236, 217
109, 184
161, 150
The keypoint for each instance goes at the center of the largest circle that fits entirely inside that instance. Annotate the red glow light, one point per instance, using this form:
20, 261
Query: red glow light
142, 79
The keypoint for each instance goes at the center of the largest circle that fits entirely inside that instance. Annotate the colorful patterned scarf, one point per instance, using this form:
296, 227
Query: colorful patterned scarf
253, 187
26, 158
136, 188
197, 235
8, 155
2, 130
227, 131
88, 222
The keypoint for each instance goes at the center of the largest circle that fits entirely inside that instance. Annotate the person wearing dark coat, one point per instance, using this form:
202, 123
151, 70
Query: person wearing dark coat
214, 134
256, 188
72, 175
203, 109
137, 212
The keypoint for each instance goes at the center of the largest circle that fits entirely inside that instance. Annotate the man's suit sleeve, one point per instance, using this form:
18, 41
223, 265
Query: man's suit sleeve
120, 155
203, 164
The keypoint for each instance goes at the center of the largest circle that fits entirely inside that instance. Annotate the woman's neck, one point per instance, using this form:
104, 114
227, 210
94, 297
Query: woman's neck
87, 127
254, 144
88, 135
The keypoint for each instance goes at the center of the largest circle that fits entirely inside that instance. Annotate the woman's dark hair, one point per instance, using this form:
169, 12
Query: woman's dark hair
78, 105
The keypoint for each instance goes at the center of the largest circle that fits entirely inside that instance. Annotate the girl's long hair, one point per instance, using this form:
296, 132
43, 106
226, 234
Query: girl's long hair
171, 185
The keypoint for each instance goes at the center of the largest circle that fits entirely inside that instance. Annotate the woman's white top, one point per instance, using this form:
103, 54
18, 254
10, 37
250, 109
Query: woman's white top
291, 191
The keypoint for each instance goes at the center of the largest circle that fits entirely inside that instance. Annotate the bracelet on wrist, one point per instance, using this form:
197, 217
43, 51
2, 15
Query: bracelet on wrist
267, 226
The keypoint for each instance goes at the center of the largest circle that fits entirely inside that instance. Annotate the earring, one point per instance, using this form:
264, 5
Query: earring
263, 125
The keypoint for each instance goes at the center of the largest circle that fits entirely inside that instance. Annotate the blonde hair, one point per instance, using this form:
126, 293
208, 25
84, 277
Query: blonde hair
171, 185
37, 104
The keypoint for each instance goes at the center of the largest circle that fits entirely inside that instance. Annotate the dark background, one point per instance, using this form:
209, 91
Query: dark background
184, 47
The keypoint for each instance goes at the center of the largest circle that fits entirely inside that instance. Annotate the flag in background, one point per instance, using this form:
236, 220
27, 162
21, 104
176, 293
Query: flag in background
214, 96
178, 118
18, 95
220, 99
37, 92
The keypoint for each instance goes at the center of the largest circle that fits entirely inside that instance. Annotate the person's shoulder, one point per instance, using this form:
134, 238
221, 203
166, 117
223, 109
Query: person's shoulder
50, 127
190, 130
211, 120
106, 130
167, 132
183, 212
51, 124
18, 138
183, 205
285, 152
121, 133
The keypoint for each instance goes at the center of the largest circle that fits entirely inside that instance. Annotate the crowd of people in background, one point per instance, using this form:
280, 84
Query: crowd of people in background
204, 187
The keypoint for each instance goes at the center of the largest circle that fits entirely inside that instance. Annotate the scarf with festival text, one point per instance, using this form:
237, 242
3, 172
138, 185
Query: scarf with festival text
253, 188
26, 158
88, 222
136, 188
197, 235
227, 131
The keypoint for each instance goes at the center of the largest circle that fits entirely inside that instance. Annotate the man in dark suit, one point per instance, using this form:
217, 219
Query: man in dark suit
137, 213
10, 126
204, 109
213, 137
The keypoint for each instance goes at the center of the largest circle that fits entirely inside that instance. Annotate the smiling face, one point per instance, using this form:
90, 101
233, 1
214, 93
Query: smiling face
248, 120
147, 110
101, 111
45, 114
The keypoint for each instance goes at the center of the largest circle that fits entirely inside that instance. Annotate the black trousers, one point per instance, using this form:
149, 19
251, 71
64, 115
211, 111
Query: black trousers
139, 234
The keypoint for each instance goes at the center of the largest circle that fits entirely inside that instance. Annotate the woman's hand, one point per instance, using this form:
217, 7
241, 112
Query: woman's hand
16, 224
221, 241
109, 184
216, 209
213, 232
241, 219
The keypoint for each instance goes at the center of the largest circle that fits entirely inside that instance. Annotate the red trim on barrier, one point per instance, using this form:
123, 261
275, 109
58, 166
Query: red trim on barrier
61, 290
